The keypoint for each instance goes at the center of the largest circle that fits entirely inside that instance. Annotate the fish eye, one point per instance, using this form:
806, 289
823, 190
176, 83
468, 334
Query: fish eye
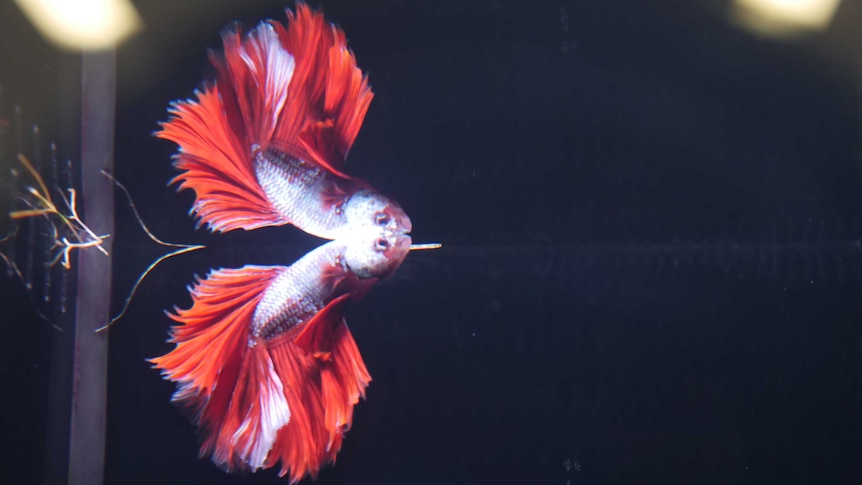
381, 219
381, 245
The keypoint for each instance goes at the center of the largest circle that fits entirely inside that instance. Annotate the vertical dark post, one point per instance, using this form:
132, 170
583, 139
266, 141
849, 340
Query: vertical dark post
90, 371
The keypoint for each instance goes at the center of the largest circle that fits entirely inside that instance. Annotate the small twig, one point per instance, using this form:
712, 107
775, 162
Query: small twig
35, 174
80, 231
93, 236
425, 246
68, 246
68, 231
77, 234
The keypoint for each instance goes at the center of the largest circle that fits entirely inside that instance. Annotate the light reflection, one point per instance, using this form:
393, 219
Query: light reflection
83, 24
783, 18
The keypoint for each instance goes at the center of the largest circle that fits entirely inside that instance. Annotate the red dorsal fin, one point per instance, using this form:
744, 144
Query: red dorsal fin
346, 99
293, 88
329, 95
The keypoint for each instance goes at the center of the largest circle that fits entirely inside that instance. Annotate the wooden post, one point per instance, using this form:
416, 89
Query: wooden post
93, 302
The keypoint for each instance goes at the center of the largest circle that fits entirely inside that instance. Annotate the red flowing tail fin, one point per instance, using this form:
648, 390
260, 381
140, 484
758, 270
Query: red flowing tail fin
289, 399
324, 378
213, 365
293, 88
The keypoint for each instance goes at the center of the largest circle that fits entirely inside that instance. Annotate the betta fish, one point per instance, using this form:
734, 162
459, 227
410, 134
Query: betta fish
265, 363
265, 143
263, 360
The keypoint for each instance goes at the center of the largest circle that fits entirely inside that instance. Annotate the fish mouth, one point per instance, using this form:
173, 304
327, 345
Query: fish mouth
400, 243
402, 237
403, 243
399, 247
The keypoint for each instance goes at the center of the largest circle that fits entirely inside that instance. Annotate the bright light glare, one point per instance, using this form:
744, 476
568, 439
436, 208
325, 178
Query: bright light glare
83, 24
783, 18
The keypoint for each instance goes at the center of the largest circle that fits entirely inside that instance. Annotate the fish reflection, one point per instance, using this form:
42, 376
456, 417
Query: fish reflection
264, 361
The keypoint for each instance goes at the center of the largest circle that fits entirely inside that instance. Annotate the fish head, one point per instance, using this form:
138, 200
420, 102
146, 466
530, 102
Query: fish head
376, 254
367, 208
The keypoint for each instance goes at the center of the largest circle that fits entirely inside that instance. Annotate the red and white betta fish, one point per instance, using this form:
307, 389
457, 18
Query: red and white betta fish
263, 360
265, 144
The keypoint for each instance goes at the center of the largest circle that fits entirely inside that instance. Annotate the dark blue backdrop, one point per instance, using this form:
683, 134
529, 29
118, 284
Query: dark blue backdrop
651, 265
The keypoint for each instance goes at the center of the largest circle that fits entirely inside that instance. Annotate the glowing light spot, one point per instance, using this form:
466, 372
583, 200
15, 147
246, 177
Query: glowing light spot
83, 24
783, 18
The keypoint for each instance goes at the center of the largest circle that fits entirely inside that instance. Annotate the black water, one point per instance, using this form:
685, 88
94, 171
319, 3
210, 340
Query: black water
652, 262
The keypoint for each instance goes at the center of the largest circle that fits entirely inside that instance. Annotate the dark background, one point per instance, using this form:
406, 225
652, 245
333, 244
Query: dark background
651, 269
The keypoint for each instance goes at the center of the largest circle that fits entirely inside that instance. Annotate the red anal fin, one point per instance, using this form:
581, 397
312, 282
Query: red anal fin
214, 368
324, 377
315, 334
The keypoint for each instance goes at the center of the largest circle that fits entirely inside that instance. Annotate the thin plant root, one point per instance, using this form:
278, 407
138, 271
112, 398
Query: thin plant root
181, 249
